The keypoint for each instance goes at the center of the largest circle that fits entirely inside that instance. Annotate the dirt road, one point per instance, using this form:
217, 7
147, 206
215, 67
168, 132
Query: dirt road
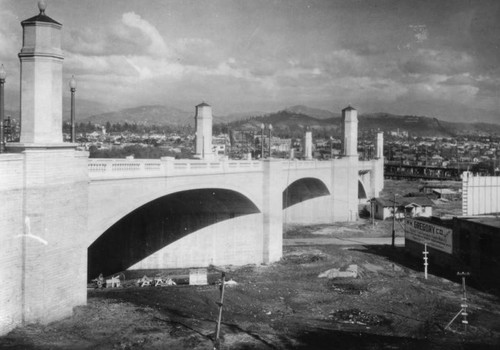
399, 241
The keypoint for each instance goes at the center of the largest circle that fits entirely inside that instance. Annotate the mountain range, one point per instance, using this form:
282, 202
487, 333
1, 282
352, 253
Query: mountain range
289, 120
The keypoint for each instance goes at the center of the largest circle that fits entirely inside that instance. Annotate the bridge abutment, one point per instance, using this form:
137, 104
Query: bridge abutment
44, 228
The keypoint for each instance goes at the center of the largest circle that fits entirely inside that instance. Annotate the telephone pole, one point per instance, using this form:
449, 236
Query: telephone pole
463, 305
394, 222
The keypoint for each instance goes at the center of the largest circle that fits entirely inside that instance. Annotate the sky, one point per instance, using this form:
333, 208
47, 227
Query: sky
416, 57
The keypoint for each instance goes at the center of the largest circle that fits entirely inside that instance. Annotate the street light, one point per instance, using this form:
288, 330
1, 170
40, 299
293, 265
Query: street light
331, 147
72, 87
3, 75
270, 132
262, 126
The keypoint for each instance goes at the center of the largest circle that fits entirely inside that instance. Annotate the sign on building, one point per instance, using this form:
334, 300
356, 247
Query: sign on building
437, 237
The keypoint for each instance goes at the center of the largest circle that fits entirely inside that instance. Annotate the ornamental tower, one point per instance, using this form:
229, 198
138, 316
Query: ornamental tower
350, 132
41, 80
203, 127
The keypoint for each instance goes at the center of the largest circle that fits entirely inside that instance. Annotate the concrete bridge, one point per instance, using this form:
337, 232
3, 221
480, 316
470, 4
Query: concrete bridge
65, 218
213, 212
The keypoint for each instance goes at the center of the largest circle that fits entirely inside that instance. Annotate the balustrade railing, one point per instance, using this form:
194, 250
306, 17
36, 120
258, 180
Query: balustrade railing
132, 168
128, 168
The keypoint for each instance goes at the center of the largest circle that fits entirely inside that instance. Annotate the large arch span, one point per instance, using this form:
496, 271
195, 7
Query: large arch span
161, 222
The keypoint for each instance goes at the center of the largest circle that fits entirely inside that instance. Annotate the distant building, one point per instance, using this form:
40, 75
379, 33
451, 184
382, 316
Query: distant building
398, 133
446, 193
405, 207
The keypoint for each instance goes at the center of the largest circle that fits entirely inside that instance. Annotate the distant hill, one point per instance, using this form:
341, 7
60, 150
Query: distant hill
312, 112
415, 125
83, 109
146, 115
161, 115
291, 121
236, 116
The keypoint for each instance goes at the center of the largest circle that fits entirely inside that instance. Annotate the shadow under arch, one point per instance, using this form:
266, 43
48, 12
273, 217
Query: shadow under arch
302, 190
361, 190
161, 222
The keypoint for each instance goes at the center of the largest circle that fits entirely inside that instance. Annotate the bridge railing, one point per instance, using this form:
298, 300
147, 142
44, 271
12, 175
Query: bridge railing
321, 164
132, 168
305, 164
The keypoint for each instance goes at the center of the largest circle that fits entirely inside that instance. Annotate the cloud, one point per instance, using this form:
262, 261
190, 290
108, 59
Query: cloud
197, 51
157, 45
428, 61
10, 36
131, 35
420, 32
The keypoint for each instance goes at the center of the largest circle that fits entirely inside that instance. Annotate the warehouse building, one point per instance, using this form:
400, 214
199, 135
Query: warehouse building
469, 244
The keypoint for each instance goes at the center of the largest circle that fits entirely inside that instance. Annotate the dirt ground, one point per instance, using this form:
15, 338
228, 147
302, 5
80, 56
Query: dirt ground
284, 305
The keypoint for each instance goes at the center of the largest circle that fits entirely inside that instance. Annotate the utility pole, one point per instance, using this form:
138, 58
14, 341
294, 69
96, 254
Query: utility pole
394, 222
217, 329
463, 305
425, 252
372, 214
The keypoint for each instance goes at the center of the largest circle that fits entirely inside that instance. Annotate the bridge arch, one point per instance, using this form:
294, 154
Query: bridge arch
160, 222
303, 189
135, 194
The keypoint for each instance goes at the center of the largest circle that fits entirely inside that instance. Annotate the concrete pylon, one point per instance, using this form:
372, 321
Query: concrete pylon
350, 132
308, 145
41, 80
203, 127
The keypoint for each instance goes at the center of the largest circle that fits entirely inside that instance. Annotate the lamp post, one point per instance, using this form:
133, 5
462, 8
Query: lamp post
331, 147
262, 126
3, 75
72, 87
270, 132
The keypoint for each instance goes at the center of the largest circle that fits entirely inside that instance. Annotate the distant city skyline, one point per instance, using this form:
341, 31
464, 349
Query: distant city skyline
417, 57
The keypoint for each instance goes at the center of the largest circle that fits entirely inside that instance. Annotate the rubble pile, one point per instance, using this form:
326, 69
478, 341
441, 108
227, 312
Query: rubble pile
356, 316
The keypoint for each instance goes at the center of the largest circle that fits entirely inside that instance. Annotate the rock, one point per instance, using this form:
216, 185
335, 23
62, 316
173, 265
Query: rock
350, 272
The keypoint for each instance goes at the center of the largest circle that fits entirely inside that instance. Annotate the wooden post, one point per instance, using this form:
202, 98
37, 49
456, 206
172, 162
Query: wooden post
464, 300
425, 260
217, 329
463, 304
372, 213
394, 221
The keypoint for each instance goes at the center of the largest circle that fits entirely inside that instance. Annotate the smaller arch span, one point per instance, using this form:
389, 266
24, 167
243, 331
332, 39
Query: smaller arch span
161, 222
302, 190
